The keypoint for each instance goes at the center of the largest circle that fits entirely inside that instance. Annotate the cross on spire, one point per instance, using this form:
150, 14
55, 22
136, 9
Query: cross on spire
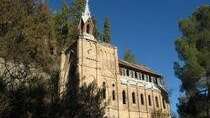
86, 14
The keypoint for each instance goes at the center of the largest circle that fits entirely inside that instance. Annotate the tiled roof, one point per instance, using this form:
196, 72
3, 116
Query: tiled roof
138, 67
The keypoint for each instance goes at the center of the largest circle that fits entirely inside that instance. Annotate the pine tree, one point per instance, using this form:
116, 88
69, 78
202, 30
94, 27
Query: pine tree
29, 83
193, 48
84, 102
25, 33
66, 23
107, 31
96, 32
62, 27
129, 56
76, 9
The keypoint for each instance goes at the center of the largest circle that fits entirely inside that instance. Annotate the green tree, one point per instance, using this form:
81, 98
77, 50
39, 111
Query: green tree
66, 23
193, 69
96, 32
129, 56
28, 99
159, 114
107, 31
62, 27
76, 10
28, 78
25, 35
25, 58
85, 102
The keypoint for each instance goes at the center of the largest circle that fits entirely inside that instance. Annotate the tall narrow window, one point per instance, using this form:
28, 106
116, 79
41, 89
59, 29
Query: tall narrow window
164, 105
136, 75
104, 90
142, 99
113, 92
150, 78
113, 95
156, 100
149, 99
124, 97
147, 77
88, 29
82, 26
142, 76
133, 98
127, 72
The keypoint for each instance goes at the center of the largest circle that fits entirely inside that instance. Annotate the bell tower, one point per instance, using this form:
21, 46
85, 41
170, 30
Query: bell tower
87, 49
80, 60
86, 24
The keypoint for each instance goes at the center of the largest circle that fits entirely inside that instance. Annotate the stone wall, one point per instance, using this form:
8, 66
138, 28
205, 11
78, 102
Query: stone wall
99, 62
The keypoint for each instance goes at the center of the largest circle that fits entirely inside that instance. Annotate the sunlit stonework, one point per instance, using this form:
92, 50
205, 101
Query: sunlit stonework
133, 90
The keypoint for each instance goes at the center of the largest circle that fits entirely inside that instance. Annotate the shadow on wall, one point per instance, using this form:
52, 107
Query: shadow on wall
159, 114
84, 101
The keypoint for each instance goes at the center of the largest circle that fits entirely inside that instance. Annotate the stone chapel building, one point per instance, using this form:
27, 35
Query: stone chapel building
133, 90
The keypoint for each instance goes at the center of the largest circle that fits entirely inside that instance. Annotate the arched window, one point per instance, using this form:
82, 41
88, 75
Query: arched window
150, 78
164, 105
142, 77
136, 75
88, 29
104, 90
113, 92
149, 99
142, 99
133, 98
113, 95
127, 72
156, 100
82, 27
124, 97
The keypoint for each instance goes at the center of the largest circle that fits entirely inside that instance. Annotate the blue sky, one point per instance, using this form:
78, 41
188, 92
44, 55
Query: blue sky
147, 27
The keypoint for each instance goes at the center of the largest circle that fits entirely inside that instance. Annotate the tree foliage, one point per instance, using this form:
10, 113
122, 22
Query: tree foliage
107, 31
29, 35
129, 56
25, 35
193, 49
61, 27
159, 114
66, 23
84, 102
39, 98
96, 32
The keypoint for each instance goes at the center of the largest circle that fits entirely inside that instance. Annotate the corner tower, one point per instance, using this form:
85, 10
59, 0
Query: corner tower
87, 48
79, 60
97, 61
86, 25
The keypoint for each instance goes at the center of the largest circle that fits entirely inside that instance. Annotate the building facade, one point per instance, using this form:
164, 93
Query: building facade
132, 90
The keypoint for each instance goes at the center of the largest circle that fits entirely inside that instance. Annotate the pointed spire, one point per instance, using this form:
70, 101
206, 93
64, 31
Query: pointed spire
86, 14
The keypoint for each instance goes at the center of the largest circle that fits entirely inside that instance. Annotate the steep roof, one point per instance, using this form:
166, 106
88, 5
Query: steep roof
86, 14
140, 67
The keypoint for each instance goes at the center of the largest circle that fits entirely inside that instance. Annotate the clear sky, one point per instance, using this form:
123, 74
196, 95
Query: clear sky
149, 28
